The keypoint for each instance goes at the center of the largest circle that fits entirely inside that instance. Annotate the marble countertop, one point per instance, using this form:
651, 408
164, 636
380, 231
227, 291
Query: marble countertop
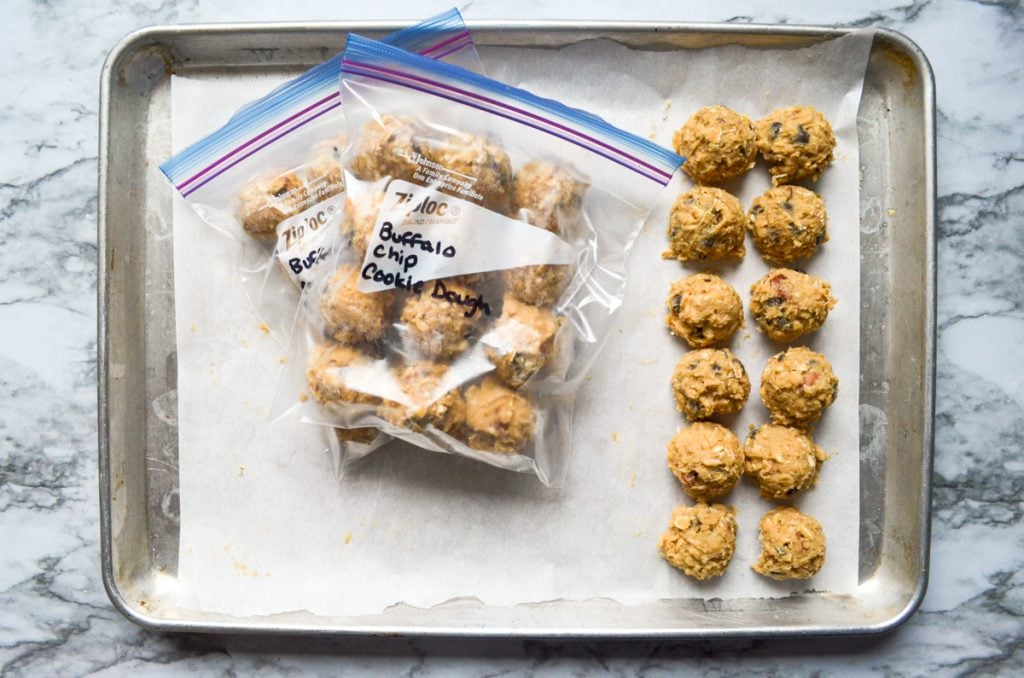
55, 618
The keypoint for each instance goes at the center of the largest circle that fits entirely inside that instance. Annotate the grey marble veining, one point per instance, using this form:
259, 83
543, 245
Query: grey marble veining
54, 616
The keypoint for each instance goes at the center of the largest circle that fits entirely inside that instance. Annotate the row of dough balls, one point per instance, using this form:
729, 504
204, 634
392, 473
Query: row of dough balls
720, 144
704, 310
488, 416
708, 460
796, 385
787, 223
388, 148
701, 539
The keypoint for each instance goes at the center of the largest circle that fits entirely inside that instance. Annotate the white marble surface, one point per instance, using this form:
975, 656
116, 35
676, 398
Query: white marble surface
54, 616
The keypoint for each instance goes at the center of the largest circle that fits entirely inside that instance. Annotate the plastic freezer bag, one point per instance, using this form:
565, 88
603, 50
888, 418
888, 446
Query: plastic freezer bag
486, 232
271, 177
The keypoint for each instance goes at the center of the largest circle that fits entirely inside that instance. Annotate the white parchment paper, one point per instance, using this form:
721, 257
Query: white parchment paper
266, 528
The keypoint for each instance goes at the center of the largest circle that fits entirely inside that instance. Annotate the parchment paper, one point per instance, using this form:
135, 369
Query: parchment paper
266, 528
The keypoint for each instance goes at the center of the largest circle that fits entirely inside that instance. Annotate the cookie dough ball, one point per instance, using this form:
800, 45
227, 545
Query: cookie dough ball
538, 285
796, 142
351, 316
265, 203
706, 223
792, 545
703, 310
718, 144
360, 218
788, 223
782, 460
788, 304
326, 380
547, 196
324, 172
497, 418
797, 386
709, 382
482, 162
437, 326
700, 540
389, 146
521, 341
707, 459
421, 381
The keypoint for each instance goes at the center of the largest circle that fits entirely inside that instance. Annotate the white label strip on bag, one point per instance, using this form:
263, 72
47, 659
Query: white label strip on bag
305, 239
422, 235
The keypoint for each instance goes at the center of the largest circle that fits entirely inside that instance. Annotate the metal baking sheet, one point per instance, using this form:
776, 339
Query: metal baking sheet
138, 374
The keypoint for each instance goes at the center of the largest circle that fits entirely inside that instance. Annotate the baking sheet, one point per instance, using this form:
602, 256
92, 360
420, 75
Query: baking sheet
264, 527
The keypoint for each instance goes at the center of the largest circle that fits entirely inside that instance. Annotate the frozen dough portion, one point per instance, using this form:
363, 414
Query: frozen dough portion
547, 196
437, 326
792, 545
421, 381
326, 378
706, 223
482, 163
498, 419
538, 285
788, 304
267, 202
326, 382
788, 223
350, 315
707, 459
797, 385
782, 460
700, 540
709, 382
797, 143
389, 146
703, 310
521, 341
718, 144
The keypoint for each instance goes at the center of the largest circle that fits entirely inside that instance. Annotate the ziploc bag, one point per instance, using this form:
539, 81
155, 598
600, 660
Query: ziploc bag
271, 179
487, 234
271, 176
